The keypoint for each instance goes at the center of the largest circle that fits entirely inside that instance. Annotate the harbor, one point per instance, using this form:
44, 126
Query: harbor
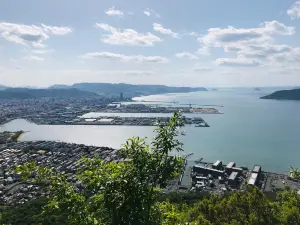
136, 121
223, 178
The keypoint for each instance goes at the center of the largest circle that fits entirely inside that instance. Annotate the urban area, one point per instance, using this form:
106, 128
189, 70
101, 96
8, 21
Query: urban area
69, 111
201, 176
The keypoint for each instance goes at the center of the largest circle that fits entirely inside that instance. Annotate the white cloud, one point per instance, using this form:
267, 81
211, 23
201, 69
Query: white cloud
243, 62
159, 28
287, 56
202, 69
253, 46
30, 34
34, 58
151, 12
147, 13
294, 11
38, 45
42, 51
203, 51
127, 36
186, 55
56, 30
223, 37
139, 73
125, 58
285, 69
194, 34
267, 53
114, 12
262, 51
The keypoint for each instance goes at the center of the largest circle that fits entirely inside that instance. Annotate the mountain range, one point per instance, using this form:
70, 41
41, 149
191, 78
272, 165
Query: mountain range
128, 90
91, 89
26, 93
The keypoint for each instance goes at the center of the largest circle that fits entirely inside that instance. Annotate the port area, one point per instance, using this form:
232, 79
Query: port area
119, 107
67, 111
136, 121
218, 178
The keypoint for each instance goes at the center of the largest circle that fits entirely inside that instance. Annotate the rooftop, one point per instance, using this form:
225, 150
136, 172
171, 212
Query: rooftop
253, 178
233, 176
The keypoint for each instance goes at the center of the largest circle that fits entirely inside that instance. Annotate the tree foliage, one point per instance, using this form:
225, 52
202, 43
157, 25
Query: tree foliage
294, 173
115, 193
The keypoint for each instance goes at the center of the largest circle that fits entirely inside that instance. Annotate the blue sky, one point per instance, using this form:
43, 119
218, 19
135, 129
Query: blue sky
182, 43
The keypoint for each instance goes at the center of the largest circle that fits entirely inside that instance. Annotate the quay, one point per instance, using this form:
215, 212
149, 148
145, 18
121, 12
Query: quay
135, 121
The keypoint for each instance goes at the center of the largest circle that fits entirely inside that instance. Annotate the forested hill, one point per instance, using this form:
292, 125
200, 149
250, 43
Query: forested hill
129, 90
26, 93
284, 95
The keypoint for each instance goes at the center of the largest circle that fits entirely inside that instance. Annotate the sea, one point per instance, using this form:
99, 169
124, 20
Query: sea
250, 131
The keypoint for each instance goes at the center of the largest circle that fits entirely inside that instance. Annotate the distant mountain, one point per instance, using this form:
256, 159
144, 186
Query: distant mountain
129, 90
293, 94
60, 86
25, 93
2, 87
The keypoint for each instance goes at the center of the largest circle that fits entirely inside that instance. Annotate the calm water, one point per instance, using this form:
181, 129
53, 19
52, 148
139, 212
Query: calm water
251, 131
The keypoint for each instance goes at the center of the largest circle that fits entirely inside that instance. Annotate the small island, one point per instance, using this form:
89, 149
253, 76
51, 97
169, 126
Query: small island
293, 94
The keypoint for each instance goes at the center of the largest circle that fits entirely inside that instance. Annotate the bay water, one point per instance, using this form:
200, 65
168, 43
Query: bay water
250, 130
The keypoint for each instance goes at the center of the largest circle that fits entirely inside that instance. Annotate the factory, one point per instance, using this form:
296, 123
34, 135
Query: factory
219, 177
205, 171
254, 176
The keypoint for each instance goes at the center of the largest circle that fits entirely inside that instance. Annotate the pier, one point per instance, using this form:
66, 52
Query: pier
135, 121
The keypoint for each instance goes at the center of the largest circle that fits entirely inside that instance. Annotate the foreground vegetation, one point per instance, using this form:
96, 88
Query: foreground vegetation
129, 193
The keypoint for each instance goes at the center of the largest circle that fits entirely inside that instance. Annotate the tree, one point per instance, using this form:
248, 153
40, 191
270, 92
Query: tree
294, 173
115, 193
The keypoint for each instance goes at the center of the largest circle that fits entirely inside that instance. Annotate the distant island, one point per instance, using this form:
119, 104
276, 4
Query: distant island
2, 87
128, 90
26, 93
284, 95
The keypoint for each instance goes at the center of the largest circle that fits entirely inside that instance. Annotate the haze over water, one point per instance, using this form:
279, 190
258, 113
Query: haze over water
251, 131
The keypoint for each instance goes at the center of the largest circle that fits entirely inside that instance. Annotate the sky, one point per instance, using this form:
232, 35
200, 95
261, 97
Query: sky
180, 43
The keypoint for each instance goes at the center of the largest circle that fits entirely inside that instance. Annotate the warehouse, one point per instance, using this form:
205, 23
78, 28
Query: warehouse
205, 171
233, 179
229, 166
217, 165
256, 169
253, 179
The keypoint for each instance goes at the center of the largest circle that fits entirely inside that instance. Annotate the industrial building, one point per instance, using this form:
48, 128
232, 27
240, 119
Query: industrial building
217, 165
229, 166
238, 170
256, 169
233, 179
205, 171
253, 179
105, 121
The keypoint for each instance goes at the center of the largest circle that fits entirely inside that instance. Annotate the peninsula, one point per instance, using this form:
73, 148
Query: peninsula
128, 90
293, 94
